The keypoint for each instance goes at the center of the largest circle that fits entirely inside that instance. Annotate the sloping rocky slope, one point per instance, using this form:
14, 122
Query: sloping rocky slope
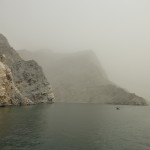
27, 78
79, 77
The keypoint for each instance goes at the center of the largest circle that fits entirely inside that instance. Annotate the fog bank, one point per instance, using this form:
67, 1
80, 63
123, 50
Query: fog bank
117, 31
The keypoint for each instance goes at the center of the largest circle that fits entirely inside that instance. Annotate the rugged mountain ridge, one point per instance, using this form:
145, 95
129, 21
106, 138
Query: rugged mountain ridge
79, 77
28, 78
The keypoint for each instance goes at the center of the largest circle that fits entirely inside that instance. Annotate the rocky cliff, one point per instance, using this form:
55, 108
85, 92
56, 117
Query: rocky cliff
28, 85
79, 77
9, 94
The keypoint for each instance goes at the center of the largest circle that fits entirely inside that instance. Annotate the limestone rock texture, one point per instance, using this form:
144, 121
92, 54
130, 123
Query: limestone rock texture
79, 78
9, 94
21, 82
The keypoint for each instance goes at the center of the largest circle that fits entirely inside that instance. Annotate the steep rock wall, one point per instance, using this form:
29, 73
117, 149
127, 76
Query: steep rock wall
28, 79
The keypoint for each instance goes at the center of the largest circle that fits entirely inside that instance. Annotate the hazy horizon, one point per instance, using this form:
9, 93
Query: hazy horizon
117, 31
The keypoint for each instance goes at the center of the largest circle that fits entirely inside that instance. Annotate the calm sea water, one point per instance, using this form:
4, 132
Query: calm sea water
75, 127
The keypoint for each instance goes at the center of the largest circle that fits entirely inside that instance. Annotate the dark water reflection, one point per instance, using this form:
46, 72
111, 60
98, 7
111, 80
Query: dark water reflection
74, 127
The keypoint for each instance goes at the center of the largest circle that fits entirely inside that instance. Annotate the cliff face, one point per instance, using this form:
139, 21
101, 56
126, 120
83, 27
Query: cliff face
11, 55
9, 94
28, 84
31, 82
79, 77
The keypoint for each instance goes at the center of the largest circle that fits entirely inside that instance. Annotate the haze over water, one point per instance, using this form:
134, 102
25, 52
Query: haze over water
118, 31
74, 127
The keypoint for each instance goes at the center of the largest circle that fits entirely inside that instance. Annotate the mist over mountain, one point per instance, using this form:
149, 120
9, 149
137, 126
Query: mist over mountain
79, 77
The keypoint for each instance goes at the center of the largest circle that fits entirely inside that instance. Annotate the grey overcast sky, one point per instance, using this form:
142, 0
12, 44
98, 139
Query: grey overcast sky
117, 30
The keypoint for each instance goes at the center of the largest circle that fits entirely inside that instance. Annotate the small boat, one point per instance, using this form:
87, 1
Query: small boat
117, 108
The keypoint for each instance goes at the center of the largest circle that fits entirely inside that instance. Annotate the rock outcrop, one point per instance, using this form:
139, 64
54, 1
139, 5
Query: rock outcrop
31, 82
9, 94
21, 82
79, 77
